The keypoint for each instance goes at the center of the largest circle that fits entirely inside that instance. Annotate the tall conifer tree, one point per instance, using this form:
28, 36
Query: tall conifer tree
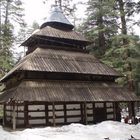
11, 13
100, 25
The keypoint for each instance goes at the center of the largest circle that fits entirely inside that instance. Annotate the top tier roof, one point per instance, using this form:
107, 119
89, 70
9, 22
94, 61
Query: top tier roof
56, 29
57, 18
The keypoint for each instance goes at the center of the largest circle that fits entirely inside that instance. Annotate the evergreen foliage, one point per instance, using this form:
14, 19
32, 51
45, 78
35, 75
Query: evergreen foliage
109, 25
100, 25
117, 57
11, 13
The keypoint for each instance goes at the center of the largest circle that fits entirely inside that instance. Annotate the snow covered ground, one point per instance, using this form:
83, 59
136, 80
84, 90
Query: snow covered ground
111, 129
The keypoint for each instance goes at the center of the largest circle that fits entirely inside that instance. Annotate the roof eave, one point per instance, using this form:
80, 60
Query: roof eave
34, 37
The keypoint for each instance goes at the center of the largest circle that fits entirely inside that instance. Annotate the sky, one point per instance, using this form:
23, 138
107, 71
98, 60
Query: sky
36, 10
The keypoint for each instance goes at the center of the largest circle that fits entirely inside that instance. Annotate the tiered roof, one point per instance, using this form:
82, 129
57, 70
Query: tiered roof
57, 48
49, 33
54, 60
58, 29
68, 91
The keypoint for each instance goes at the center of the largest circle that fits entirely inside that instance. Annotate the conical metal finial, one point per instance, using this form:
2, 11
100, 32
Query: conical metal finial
57, 19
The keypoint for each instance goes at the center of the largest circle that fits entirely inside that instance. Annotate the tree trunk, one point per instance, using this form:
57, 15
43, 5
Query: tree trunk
101, 32
125, 42
0, 28
123, 20
6, 17
60, 4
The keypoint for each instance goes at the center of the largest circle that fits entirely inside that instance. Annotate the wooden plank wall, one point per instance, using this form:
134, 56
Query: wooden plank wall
19, 114
52, 114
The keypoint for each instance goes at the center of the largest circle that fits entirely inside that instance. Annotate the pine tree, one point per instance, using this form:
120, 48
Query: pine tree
24, 33
117, 57
107, 26
100, 25
137, 68
138, 11
10, 15
124, 44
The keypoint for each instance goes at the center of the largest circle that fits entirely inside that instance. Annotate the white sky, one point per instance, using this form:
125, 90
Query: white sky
36, 10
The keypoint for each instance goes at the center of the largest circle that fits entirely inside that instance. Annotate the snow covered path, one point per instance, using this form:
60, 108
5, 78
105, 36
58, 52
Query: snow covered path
113, 130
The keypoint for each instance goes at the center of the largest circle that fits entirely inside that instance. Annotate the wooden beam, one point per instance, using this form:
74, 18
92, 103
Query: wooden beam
37, 118
105, 110
93, 108
46, 113
65, 113
131, 108
4, 114
117, 111
26, 117
17, 111
114, 110
85, 112
53, 109
58, 117
14, 117
82, 114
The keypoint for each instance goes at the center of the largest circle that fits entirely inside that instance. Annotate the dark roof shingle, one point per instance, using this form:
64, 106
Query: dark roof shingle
50, 60
51, 32
67, 91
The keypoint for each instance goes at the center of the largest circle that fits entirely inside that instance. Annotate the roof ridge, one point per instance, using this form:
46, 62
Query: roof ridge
71, 59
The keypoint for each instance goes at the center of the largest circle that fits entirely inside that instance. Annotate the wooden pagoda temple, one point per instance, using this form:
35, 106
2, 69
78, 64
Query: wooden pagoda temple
58, 82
